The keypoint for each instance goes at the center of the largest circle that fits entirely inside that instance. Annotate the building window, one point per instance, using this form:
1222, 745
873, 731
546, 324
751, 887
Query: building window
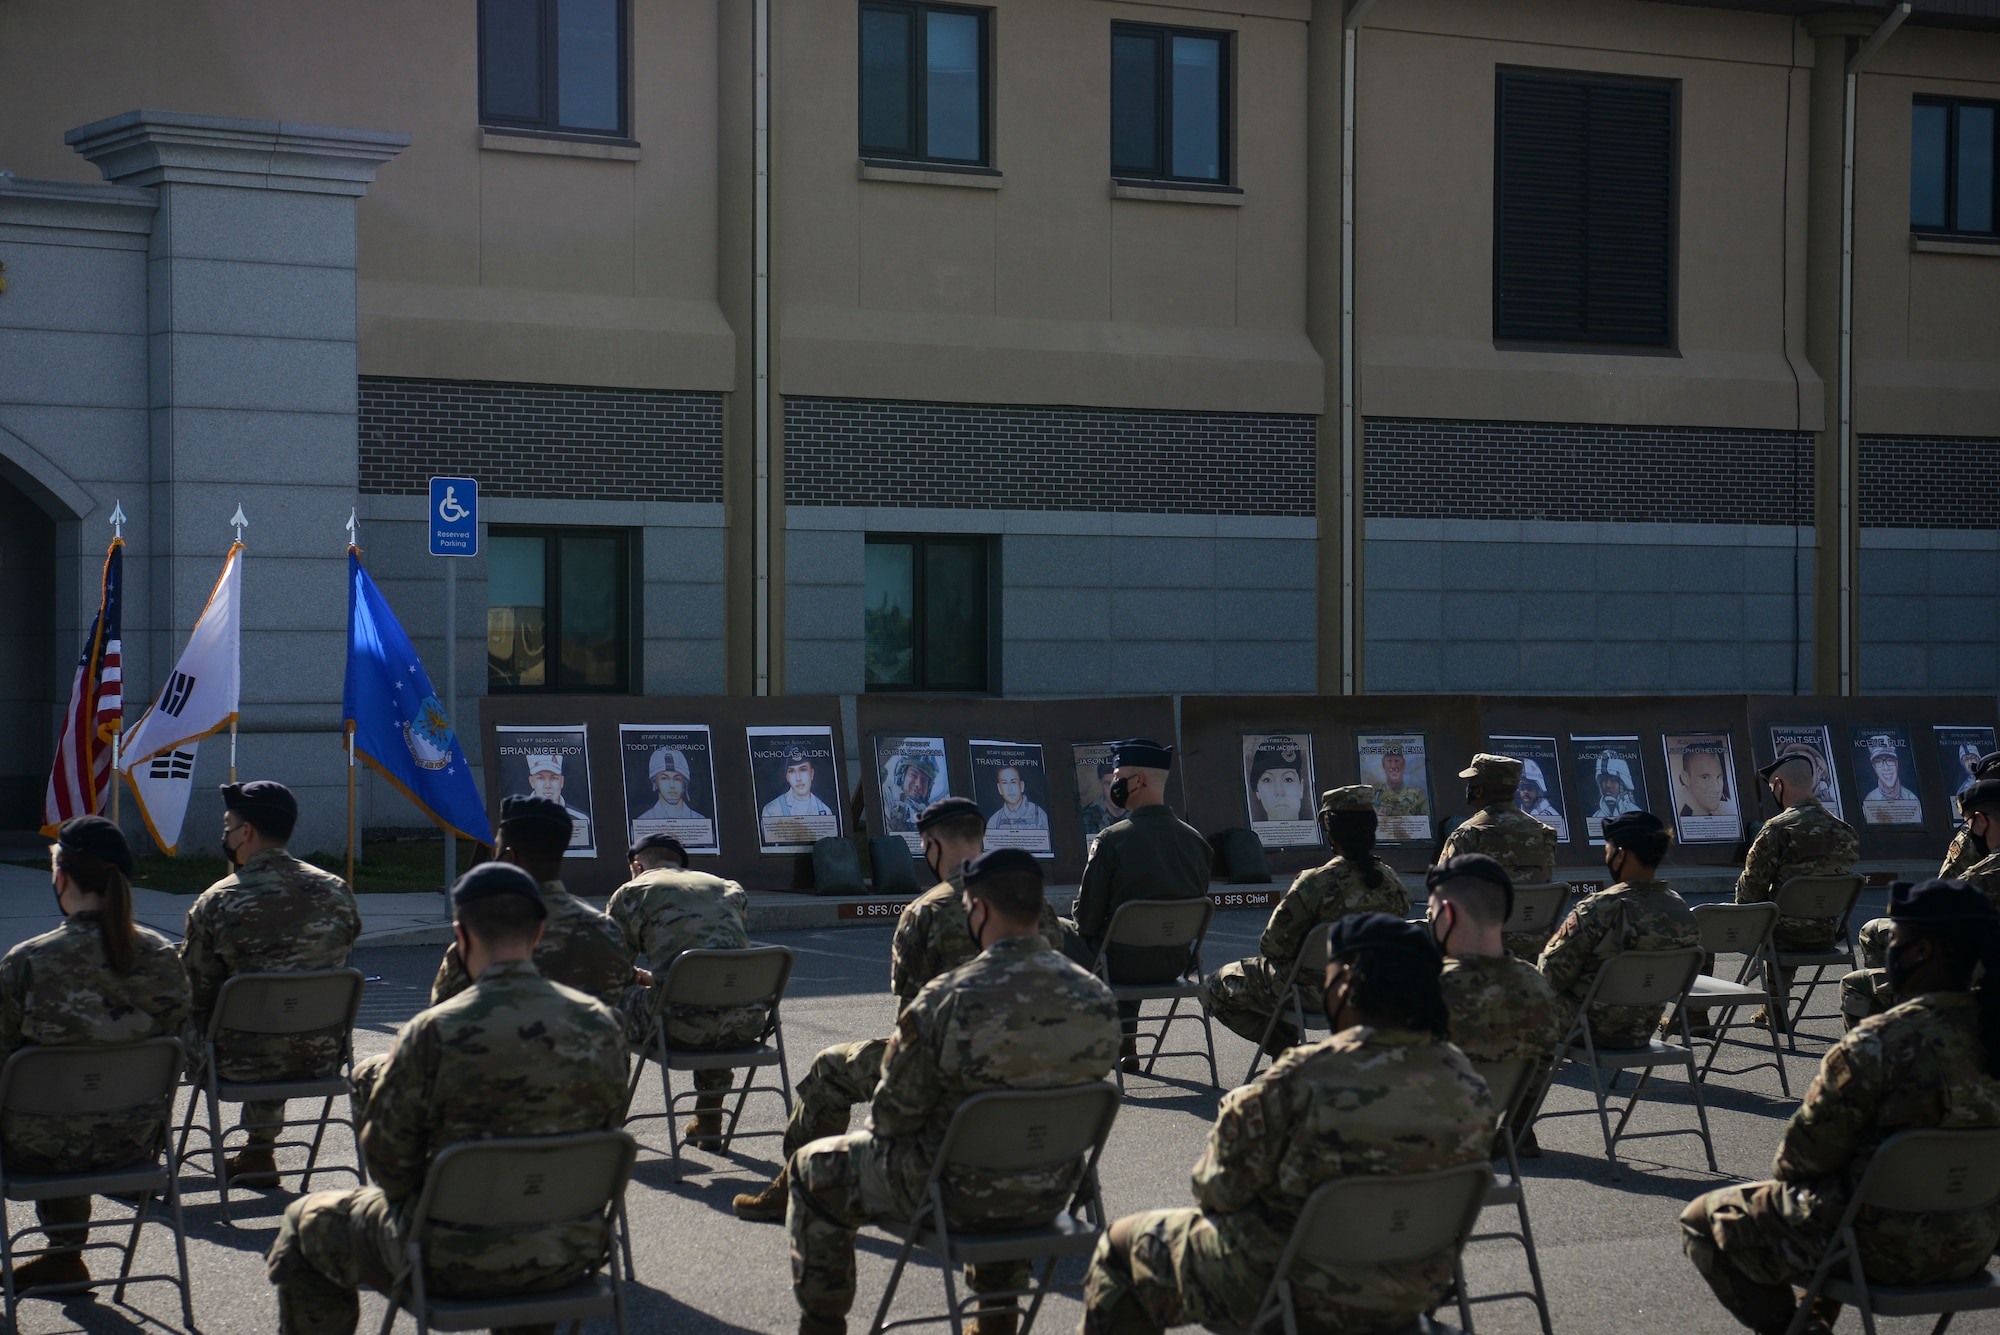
923, 83
1583, 235
925, 619
1169, 104
558, 611
1953, 157
555, 65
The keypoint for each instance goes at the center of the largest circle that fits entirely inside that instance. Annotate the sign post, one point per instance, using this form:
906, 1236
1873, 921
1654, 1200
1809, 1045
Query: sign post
454, 528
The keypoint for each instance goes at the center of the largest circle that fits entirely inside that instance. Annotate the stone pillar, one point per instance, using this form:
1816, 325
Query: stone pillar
251, 352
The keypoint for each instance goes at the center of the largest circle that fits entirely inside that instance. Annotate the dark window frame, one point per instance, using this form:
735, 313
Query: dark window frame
1163, 102
918, 91
1669, 345
547, 125
921, 684
630, 635
1951, 106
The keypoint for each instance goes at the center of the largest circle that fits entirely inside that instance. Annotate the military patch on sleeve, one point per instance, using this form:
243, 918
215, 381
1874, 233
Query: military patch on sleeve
1253, 1118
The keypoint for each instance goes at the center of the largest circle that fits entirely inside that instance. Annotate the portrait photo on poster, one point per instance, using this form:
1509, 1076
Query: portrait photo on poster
795, 782
551, 761
669, 771
1885, 774
1010, 782
1701, 782
1610, 779
1278, 788
1394, 763
911, 774
1812, 743
1959, 749
1094, 807
1541, 793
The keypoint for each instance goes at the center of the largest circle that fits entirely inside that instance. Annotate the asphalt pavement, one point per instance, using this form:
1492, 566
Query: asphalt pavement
1609, 1246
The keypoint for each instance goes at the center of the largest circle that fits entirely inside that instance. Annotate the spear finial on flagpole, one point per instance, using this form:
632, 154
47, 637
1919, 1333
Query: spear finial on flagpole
353, 530
118, 522
238, 522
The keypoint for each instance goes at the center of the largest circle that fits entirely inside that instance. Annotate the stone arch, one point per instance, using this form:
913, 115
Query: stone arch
42, 480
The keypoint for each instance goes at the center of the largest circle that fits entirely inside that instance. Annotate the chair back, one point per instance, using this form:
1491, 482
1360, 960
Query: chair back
1818, 896
1158, 923
1028, 1130
523, 1181
288, 1003
1388, 1219
1645, 977
1537, 908
1506, 1081
1936, 1170
1735, 929
716, 979
1313, 952
91, 1080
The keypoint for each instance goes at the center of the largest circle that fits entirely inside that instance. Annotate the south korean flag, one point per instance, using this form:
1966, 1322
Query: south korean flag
161, 786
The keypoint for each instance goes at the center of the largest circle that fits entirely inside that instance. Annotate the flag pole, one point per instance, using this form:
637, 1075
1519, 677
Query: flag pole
114, 777
350, 806
239, 523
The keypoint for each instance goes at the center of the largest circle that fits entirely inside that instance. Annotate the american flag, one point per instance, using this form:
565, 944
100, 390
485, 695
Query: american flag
82, 775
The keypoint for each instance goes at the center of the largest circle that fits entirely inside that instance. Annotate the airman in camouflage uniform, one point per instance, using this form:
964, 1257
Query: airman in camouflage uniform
1505, 833
1242, 995
1385, 1093
1925, 1063
514, 1055
1637, 913
60, 989
1018, 1016
1804, 839
275, 914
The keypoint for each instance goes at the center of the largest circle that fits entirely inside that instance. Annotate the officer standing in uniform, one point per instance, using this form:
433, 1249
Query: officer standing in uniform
1803, 839
1639, 912
95, 979
580, 946
1242, 995
513, 1055
1384, 1093
1502, 831
272, 914
1933, 1061
1151, 854
1017, 1016
932, 938
661, 912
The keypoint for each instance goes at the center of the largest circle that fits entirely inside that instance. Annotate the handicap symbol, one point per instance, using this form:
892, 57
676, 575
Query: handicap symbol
449, 509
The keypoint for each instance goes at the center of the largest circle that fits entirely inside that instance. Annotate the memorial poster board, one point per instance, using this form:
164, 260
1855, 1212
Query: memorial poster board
1885, 774
1541, 790
1813, 743
551, 761
795, 785
1395, 765
1701, 782
1959, 749
1279, 788
1610, 779
912, 773
1010, 782
669, 772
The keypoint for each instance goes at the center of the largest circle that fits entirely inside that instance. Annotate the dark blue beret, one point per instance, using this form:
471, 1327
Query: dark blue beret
260, 797
96, 837
1940, 901
1383, 933
1002, 862
1141, 753
948, 808
535, 811
1642, 826
1475, 866
490, 879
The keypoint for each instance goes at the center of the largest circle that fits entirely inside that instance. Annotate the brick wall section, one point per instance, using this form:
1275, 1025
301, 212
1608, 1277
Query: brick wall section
1423, 468
575, 442
1930, 482
1012, 457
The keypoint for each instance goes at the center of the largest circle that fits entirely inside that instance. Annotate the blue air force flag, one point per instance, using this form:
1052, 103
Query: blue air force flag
398, 722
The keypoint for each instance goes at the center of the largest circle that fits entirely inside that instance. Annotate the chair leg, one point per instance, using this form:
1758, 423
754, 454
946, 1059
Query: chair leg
180, 1246
1208, 1033
1257, 1052
354, 1131
216, 1151
742, 1098
319, 1133
624, 1245
889, 1292
7, 1266
1631, 1102
951, 1293
673, 1131
131, 1246
1464, 1303
1777, 1054
1597, 1088
1159, 1039
1701, 1114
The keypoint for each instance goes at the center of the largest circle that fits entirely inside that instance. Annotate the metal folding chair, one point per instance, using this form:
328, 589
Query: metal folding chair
1738, 929
1654, 978
273, 1004
1010, 1130
1814, 897
1311, 963
1538, 908
717, 980
1163, 924
1932, 1171
98, 1081
521, 1182
1380, 1219
1508, 1083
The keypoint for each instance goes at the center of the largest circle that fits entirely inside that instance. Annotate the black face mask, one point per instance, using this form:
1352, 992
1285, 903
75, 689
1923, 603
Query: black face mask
1441, 926
1120, 791
1977, 842
1897, 963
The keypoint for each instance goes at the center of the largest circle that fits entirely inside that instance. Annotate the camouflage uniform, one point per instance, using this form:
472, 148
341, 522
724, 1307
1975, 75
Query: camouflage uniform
1503, 1010
1365, 1100
580, 948
1243, 995
57, 989
659, 915
1805, 839
1866, 990
1919, 1065
1019, 1016
1151, 854
276, 914
516, 1055
1959, 855
1518, 842
1409, 800
932, 938
1643, 916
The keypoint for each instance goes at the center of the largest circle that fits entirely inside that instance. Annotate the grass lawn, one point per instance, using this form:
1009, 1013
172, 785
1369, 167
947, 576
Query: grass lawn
390, 866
